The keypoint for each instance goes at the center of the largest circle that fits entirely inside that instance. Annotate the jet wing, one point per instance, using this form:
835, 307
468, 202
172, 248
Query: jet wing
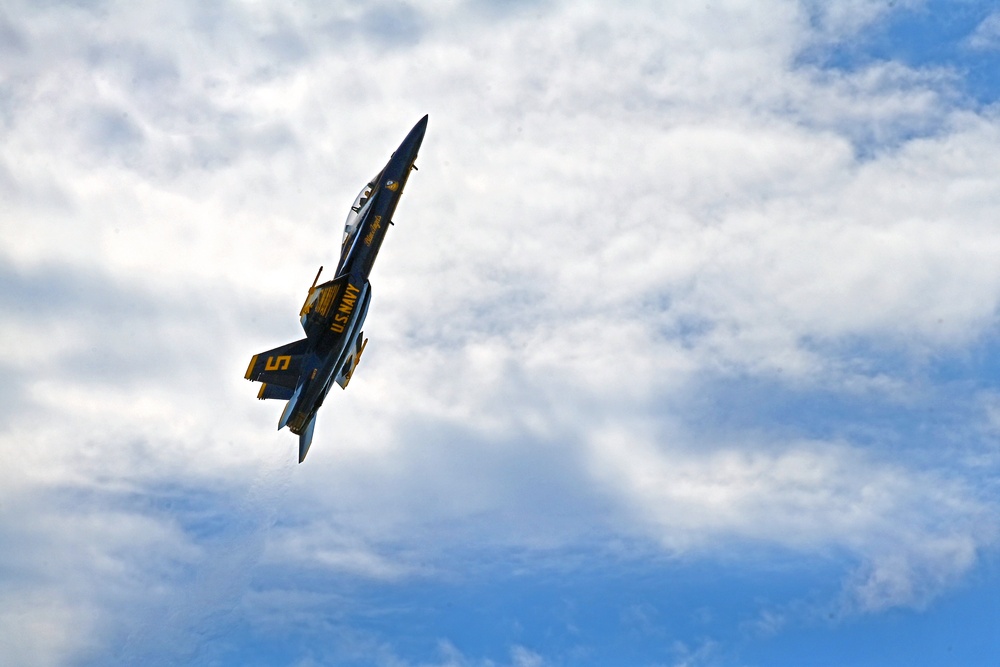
320, 300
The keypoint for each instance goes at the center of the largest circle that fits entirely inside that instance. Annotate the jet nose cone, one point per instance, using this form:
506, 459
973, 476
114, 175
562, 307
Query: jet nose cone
416, 135
407, 150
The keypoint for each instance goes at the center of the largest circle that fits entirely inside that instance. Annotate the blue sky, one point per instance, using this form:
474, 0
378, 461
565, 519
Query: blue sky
682, 350
958, 36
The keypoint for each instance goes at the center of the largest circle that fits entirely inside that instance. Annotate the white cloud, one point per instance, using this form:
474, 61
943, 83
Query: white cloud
986, 36
316, 546
841, 20
704, 653
914, 534
915, 575
40, 629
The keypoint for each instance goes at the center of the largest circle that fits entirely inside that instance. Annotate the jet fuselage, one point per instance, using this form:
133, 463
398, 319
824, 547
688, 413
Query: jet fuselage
303, 372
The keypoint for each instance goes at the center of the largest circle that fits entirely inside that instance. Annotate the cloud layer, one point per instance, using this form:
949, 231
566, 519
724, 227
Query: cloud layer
663, 279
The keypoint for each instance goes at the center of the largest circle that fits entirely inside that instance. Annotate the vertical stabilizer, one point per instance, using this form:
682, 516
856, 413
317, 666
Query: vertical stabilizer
305, 439
290, 407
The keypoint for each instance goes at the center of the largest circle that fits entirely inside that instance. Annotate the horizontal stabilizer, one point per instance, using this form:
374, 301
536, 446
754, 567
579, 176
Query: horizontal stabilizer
280, 366
274, 391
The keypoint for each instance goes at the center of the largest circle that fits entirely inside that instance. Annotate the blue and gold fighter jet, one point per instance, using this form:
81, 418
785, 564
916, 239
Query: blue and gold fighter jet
303, 372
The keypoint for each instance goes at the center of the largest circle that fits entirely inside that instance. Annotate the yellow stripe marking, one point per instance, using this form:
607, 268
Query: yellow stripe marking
253, 362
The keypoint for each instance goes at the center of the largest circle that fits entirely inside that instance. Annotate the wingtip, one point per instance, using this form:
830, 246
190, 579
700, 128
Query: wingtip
253, 362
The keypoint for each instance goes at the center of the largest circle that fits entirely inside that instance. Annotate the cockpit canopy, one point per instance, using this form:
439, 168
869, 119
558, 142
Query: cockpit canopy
359, 207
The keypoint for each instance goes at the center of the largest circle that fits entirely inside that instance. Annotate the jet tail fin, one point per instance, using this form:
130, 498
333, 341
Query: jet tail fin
305, 439
289, 410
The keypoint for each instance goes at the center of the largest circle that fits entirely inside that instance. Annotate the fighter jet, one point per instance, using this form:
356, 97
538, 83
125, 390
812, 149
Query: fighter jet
303, 372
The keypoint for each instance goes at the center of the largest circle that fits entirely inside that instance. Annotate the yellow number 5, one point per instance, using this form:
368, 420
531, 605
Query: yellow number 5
278, 363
